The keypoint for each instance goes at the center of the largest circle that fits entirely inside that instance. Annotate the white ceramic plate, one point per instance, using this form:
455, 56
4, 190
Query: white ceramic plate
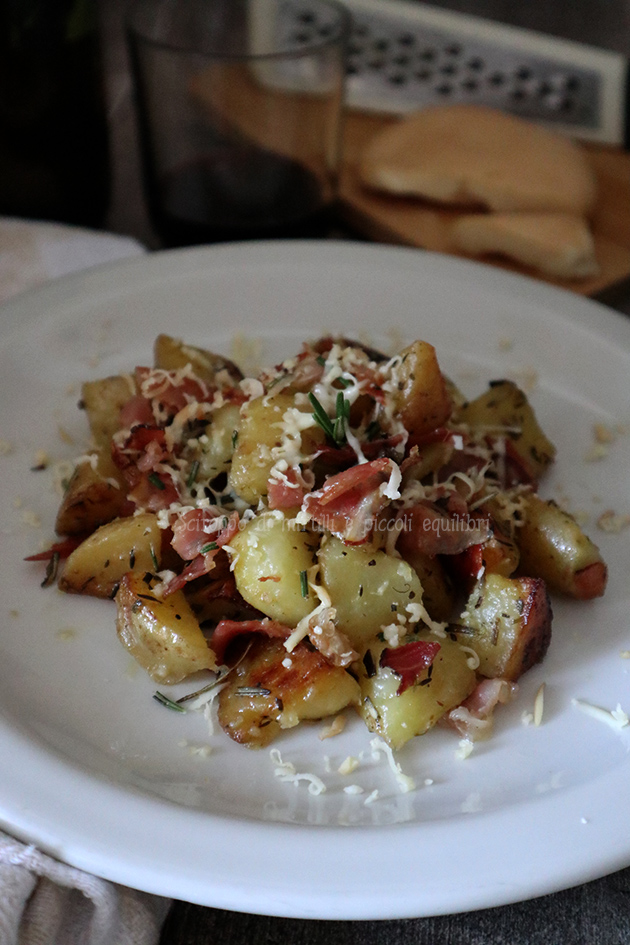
99, 774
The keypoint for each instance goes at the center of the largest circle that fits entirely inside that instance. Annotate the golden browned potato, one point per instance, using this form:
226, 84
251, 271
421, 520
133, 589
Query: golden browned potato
102, 401
171, 354
163, 636
271, 554
443, 685
260, 432
507, 622
368, 588
95, 495
554, 547
271, 690
99, 563
504, 407
422, 399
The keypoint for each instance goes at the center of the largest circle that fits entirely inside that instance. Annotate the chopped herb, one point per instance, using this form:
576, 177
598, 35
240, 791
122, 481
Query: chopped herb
211, 546
345, 382
164, 700
192, 475
342, 410
154, 559
304, 583
321, 360
234, 438
321, 417
155, 480
132, 559
252, 691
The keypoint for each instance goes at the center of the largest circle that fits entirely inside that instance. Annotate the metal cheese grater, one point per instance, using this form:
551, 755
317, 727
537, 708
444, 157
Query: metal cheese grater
404, 55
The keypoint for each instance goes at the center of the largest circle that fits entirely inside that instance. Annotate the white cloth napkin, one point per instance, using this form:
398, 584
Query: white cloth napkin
43, 901
33, 252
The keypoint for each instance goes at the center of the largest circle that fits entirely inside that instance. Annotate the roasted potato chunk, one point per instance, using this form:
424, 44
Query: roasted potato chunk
398, 717
505, 407
171, 354
260, 432
98, 564
163, 636
554, 548
423, 399
213, 451
271, 690
95, 495
437, 591
270, 554
507, 622
368, 588
102, 401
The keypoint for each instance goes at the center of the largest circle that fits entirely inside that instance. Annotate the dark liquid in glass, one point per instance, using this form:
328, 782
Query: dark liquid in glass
237, 194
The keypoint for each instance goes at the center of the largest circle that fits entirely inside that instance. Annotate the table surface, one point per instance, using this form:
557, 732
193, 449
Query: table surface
594, 914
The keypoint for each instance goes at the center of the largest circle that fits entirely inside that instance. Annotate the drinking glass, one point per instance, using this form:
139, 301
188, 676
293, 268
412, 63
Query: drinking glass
240, 107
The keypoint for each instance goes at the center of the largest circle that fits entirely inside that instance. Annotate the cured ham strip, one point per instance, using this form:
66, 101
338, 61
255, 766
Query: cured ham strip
473, 718
348, 502
228, 630
428, 530
409, 661
194, 529
198, 536
285, 493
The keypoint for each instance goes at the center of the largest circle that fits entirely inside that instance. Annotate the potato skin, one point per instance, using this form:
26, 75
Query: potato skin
102, 401
308, 687
171, 354
554, 547
506, 405
163, 636
94, 497
423, 399
507, 622
96, 567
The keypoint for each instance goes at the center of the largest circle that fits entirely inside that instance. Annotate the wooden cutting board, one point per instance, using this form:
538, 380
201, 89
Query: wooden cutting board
412, 222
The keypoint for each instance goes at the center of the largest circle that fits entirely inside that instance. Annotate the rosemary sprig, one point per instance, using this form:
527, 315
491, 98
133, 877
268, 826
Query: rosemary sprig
165, 701
334, 429
321, 417
304, 583
215, 682
342, 414
156, 481
192, 475
154, 559
211, 546
252, 691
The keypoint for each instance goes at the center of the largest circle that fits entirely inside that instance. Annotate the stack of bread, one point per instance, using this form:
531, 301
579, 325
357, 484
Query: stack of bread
520, 190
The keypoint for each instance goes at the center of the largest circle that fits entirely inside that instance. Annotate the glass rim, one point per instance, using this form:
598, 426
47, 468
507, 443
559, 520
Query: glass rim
338, 36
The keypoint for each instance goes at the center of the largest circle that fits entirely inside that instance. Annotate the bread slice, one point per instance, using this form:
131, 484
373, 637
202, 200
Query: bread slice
556, 244
472, 155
